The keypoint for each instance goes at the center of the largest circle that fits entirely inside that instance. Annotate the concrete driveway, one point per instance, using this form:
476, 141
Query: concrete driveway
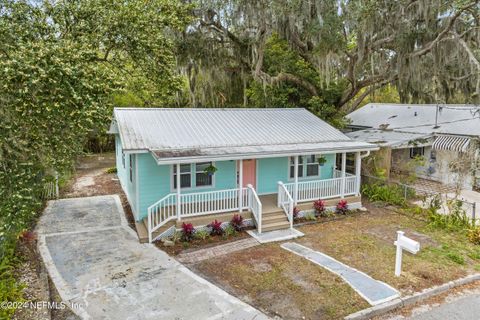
98, 266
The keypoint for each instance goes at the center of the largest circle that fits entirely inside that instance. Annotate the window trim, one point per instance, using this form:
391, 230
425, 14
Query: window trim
311, 163
193, 173
421, 155
304, 168
123, 159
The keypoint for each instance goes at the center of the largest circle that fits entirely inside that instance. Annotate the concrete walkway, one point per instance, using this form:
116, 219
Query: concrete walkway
97, 264
372, 290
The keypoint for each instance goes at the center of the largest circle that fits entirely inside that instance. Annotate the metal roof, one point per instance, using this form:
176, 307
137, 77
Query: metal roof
172, 133
419, 118
393, 139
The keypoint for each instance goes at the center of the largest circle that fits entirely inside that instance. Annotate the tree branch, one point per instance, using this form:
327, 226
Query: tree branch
444, 32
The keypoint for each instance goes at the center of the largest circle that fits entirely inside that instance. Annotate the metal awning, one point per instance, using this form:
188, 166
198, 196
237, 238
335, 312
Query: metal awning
452, 143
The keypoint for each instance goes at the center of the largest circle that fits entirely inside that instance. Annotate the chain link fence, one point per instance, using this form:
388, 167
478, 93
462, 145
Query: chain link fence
423, 196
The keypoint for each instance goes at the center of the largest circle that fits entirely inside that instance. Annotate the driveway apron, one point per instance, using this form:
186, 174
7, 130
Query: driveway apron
99, 267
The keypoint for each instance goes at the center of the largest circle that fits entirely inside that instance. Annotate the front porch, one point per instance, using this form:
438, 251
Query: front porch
268, 212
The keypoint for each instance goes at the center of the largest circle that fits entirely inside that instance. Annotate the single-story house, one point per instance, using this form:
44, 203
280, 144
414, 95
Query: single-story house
194, 165
440, 134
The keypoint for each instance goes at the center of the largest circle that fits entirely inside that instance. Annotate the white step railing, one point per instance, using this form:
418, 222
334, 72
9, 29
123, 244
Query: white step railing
255, 206
160, 213
323, 189
202, 203
285, 201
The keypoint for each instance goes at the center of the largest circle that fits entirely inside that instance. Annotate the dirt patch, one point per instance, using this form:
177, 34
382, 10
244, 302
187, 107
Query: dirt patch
281, 284
38, 286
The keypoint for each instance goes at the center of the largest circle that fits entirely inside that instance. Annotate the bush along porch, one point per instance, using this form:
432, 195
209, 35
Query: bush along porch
194, 166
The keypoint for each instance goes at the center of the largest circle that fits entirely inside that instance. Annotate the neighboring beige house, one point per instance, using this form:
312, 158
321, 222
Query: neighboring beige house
444, 136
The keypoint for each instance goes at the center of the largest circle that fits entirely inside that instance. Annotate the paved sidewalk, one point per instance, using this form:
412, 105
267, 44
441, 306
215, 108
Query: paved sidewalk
97, 263
374, 291
207, 253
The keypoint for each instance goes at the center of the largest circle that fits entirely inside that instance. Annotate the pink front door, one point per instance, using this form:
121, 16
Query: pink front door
249, 172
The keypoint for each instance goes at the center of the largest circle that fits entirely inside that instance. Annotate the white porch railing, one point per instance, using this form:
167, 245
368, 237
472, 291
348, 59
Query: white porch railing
323, 189
255, 205
338, 174
202, 203
285, 201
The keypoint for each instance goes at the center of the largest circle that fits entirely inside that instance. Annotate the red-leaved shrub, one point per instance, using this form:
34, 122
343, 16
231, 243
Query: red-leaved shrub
342, 207
296, 212
319, 206
216, 228
237, 222
188, 231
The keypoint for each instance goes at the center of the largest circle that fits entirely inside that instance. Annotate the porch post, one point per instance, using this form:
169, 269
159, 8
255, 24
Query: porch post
240, 185
344, 164
179, 205
295, 175
358, 172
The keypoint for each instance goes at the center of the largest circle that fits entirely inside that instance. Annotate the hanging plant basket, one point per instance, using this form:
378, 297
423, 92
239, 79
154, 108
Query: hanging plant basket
321, 160
210, 170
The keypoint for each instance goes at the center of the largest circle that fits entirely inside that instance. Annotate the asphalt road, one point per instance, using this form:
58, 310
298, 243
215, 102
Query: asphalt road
463, 308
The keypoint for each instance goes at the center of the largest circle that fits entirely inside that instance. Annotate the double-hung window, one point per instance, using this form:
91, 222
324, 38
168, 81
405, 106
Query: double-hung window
185, 176
312, 166
292, 167
307, 166
193, 175
202, 179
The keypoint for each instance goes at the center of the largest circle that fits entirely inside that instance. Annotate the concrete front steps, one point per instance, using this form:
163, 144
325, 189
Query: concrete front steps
274, 221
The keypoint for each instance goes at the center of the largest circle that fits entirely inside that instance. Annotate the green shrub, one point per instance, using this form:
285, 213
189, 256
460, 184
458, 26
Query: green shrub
229, 231
310, 216
392, 194
456, 219
111, 170
202, 234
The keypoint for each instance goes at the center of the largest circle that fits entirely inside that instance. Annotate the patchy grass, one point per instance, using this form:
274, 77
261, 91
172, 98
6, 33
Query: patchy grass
365, 241
281, 283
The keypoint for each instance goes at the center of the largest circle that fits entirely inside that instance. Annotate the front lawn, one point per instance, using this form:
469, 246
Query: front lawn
279, 282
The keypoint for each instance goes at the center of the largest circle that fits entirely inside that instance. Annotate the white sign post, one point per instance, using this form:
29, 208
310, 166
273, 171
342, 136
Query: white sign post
404, 243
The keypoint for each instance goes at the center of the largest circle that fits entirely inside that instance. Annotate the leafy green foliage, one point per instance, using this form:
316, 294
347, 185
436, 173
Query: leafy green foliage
456, 219
111, 170
279, 57
391, 194
229, 231
202, 234
310, 216
61, 63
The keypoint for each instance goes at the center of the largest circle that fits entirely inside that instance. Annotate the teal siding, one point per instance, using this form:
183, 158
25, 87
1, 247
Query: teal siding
269, 172
129, 187
156, 181
326, 171
272, 170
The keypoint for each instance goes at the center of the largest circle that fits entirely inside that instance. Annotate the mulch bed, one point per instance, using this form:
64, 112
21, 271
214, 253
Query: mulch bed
196, 244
